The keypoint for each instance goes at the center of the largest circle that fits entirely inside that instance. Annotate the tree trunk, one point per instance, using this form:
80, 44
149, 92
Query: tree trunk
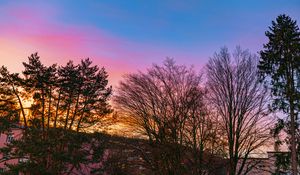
290, 93
293, 141
56, 110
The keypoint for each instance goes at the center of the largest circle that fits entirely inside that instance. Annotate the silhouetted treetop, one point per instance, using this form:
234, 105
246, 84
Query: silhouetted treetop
66, 102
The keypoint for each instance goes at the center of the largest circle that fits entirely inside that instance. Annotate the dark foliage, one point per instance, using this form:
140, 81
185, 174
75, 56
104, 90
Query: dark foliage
66, 103
280, 68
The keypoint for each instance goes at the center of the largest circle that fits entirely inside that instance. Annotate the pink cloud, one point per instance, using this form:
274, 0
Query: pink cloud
27, 29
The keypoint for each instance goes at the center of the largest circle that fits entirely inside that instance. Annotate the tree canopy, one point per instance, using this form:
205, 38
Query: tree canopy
66, 102
240, 102
280, 68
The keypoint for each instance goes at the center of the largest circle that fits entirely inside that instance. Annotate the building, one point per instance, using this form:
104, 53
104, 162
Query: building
266, 165
5, 138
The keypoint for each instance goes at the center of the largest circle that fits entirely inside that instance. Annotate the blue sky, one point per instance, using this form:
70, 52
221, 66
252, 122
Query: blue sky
125, 36
177, 23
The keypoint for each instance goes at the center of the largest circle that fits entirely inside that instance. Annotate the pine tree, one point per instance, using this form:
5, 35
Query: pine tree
8, 104
66, 101
280, 69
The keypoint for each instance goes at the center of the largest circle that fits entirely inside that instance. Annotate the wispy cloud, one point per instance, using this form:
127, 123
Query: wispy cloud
30, 29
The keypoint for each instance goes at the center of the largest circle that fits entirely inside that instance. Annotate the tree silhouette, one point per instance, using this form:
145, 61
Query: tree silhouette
8, 105
65, 103
11, 93
166, 104
280, 68
240, 102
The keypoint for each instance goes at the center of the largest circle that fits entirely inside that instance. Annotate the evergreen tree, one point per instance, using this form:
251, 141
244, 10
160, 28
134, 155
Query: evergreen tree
8, 105
66, 102
280, 68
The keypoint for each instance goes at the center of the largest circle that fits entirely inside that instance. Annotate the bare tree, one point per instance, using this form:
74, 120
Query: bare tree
166, 105
158, 102
241, 103
204, 136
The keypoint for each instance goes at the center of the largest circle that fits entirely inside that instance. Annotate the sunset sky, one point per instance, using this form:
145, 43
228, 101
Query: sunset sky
126, 36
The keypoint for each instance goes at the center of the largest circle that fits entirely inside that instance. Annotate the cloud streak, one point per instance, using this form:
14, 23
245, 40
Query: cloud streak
28, 30
126, 37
